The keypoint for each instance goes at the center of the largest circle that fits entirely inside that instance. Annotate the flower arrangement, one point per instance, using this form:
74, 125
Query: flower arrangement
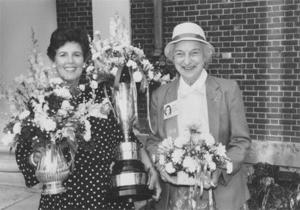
110, 55
188, 155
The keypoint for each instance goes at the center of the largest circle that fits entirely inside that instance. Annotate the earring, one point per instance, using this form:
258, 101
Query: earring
84, 65
54, 65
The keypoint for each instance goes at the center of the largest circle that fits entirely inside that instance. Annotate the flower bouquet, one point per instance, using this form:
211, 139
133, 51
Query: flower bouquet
191, 155
111, 55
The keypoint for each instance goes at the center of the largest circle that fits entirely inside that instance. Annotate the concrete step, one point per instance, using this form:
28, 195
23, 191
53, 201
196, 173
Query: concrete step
7, 160
18, 198
12, 179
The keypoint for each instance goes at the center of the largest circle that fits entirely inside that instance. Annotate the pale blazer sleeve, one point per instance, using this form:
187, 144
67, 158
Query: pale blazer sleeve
153, 140
239, 139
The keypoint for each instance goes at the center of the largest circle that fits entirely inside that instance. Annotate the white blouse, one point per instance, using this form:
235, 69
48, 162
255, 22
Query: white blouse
192, 104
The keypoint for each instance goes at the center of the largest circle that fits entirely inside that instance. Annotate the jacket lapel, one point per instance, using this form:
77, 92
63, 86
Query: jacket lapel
213, 96
170, 125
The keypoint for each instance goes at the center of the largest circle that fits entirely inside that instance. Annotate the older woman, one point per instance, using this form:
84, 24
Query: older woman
90, 180
214, 103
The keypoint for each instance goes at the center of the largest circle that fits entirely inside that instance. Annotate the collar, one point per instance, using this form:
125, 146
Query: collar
198, 86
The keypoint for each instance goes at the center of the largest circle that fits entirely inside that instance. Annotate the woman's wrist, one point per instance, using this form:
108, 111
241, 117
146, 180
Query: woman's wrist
152, 170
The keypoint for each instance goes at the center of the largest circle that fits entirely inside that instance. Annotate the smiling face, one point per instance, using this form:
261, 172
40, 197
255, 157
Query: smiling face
189, 60
69, 62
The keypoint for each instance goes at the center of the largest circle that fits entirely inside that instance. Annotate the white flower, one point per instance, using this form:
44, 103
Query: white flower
43, 78
94, 84
229, 167
82, 87
41, 99
182, 140
90, 68
162, 159
190, 164
177, 155
221, 150
81, 109
165, 78
137, 76
56, 81
147, 65
8, 138
212, 166
44, 107
49, 125
131, 64
24, 114
170, 168
157, 76
198, 148
114, 71
65, 105
95, 77
44, 122
167, 143
150, 74
68, 132
17, 128
96, 55
208, 138
62, 112
196, 138
63, 92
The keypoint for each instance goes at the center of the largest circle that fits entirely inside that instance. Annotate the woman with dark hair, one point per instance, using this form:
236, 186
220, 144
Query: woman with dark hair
90, 181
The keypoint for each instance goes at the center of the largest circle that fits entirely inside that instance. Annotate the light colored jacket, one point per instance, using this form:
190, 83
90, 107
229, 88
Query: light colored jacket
227, 124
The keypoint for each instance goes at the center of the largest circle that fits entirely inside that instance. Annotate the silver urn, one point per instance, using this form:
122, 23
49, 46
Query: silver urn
52, 170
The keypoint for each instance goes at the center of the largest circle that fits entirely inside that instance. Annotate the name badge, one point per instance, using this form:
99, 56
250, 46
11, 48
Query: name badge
170, 110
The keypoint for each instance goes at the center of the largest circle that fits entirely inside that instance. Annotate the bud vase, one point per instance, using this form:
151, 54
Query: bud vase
52, 170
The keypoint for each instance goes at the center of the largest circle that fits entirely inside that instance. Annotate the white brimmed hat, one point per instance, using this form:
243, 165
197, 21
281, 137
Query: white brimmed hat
186, 31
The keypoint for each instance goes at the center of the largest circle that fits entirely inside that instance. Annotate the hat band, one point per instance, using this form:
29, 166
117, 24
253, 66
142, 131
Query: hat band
190, 35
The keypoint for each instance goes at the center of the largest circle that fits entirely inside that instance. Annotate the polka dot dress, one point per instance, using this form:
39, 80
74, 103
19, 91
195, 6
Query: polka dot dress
89, 183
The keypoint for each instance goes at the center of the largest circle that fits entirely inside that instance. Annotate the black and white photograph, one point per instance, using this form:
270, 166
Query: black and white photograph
150, 104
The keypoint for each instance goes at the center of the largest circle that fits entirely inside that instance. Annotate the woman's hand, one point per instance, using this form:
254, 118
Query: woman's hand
37, 155
166, 177
154, 184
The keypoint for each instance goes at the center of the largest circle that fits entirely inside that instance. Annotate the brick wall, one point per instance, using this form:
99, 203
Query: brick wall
75, 13
257, 43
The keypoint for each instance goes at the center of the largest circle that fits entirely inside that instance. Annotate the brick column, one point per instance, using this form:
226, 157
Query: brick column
75, 13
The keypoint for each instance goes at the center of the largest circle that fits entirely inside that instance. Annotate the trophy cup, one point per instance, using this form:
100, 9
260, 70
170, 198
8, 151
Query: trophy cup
52, 170
129, 178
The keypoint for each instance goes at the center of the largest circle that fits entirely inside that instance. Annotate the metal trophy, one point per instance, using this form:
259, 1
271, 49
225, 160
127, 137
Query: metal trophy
52, 170
129, 178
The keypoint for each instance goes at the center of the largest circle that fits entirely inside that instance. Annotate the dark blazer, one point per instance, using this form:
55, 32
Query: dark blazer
227, 123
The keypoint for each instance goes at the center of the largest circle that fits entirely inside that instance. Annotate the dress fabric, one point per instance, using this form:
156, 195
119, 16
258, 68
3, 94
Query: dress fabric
186, 197
89, 183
